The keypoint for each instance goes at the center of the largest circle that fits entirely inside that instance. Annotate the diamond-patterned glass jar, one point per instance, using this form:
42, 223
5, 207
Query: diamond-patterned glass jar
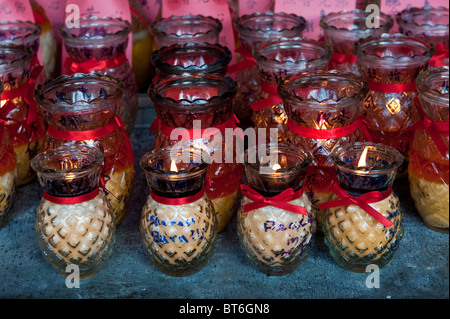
344, 28
429, 23
276, 239
178, 223
276, 61
428, 169
390, 65
8, 173
324, 111
254, 29
186, 29
196, 103
364, 226
82, 110
24, 122
99, 46
74, 222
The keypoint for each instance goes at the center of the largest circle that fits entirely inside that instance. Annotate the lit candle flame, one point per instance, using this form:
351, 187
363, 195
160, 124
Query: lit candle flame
362, 159
173, 167
3, 102
276, 167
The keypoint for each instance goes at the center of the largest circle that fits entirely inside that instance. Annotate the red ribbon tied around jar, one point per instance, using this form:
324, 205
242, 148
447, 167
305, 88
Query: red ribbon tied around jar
72, 200
247, 62
340, 58
2, 130
441, 53
435, 129
279, 201
181, 200
361, 201
116, 124
392, 87
26, 92
273, 99
93, 64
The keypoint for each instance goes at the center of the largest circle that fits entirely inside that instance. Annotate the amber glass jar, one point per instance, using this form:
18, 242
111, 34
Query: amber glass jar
178, 222
194, 104
428, 169
82, 110
23, 121
276, 61
74, 221
324, 111
254, 29
99, 46
390, 64
276, 222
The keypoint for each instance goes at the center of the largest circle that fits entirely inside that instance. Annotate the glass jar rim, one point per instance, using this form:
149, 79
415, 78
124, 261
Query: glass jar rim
70, 80
185, 79
327, 51
149, 157
292, 149
402, 17
94, 153
242, 21
192, 47
284, 90
216, 25
92, 21
395, 156
20, 62
325, 23
384, 40
425, 91
32, 35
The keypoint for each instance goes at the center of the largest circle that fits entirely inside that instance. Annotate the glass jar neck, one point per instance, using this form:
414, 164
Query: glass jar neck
23, 33
433, 88
15, 67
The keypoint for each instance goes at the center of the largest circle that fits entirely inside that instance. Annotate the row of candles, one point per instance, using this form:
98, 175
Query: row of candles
333, 161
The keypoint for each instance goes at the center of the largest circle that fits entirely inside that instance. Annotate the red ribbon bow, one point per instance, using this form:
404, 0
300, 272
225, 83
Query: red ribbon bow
247, 63
274, 99
441, 53
343, 58
392, 87
198, 133
324, 134
362, 201
72, 200
434, 128
93, 64
93, 134
280, 201
25, 91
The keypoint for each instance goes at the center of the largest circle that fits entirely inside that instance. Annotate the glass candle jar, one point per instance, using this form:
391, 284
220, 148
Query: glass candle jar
191, 58
364, 220
276, 222
74, 222
81, 109
23, 121
390, 65
276, 61
324, 111
27, 34
428, 169
254, 29
201, 107
429, 23
99, 46
344, 28
178, 223
186, 29
8, 173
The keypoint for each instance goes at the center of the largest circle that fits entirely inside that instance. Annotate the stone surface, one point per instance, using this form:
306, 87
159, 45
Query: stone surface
419, 269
